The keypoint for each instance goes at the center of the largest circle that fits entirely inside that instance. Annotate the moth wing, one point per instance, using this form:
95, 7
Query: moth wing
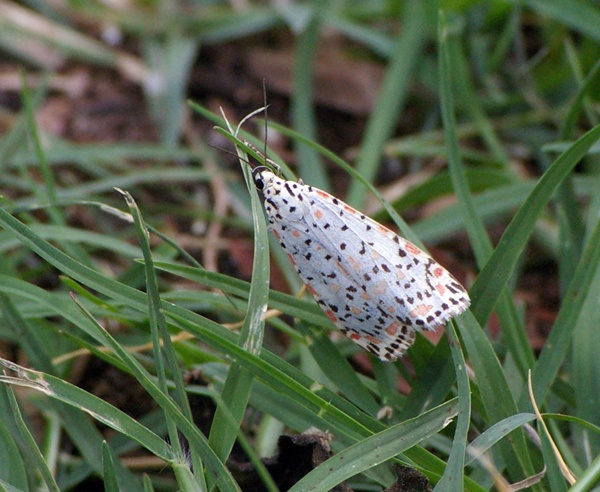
403, 280
343, 301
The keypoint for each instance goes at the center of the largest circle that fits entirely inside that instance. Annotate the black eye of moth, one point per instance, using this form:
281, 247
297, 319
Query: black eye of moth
257, 177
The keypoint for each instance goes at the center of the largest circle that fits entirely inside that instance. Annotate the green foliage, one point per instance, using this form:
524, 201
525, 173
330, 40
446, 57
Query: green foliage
506, 98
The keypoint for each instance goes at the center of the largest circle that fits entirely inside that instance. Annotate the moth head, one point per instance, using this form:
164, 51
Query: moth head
258, 178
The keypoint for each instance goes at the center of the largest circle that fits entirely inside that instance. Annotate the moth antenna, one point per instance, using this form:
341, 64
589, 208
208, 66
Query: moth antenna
270, 162
266, 118
229, 152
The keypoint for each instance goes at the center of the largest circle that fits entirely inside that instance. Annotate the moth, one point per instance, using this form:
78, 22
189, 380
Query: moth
375, 286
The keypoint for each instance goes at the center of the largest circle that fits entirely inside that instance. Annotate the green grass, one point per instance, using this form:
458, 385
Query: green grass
503, 94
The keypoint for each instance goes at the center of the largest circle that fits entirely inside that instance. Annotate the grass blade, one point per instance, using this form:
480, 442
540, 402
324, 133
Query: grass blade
453, 475
376, 449
557, 345
501, 265
391, 98
238, 385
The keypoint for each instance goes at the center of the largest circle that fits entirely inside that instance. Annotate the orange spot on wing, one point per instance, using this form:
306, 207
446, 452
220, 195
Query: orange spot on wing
276, 234
331, 316
341, 267
438, 272
318, 214
356, 311
354, 336
383, 229
392, 328
420, 310
379, 288
291, 258
371, 338
311, 291
411, 248
440, 288
296, 233
353, 263
374, 254
323, 194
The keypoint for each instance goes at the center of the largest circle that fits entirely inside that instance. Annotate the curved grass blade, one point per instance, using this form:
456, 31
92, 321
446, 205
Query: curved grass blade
494, 434
217, 473
238, 386
111, 484
391, 98
454, 473
96, 407
376, 449
28, 444
558, 342
84, 435
517, 457
165, 357
486, 289
338, 369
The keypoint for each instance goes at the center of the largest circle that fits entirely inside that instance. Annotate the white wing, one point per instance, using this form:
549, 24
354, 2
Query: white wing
374, 285
344, 302
405, 281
